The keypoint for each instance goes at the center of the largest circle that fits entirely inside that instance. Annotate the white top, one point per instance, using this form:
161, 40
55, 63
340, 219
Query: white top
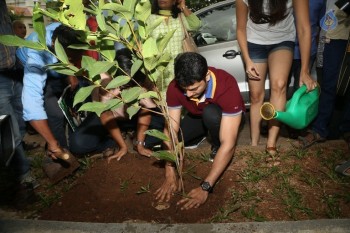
267, 34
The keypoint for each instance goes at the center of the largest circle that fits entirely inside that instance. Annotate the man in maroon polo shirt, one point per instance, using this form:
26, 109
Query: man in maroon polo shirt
215, 105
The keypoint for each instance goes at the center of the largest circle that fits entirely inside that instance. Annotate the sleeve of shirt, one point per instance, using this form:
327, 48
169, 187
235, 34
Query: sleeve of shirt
193, 22
171, 96
231, 100
34, 81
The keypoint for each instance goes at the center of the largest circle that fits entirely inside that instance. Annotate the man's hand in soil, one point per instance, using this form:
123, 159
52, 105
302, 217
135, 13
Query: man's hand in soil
169, 186
194, 199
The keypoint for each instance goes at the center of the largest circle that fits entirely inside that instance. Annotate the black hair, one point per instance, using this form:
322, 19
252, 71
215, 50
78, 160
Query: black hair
276, 11
66, 36
190, 68
124, 59
175, 11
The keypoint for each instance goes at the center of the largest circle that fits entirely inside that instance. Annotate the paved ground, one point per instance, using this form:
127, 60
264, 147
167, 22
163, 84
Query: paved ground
314, 226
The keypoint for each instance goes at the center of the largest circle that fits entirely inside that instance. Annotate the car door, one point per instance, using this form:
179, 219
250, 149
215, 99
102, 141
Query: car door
222, 50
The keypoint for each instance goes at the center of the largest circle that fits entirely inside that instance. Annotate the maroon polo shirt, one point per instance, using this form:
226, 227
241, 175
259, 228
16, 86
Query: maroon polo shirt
222, 90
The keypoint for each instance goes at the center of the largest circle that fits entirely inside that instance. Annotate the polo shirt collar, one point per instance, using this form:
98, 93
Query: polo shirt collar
210, 90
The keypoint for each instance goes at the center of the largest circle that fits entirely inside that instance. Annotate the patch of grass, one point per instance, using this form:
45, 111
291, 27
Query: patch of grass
333, 208
232, 206
298, 153
252, 215
144, 189
191, 172
310, 180
292, 199
124, 185
48, 199
86, 163
256, 174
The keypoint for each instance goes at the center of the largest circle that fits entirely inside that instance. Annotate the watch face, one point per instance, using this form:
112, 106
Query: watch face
206, 186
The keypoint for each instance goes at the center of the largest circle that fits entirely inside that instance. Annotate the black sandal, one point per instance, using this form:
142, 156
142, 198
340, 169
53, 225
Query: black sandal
310, 139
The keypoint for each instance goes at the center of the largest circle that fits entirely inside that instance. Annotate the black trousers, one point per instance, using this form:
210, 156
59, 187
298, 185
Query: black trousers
194, 128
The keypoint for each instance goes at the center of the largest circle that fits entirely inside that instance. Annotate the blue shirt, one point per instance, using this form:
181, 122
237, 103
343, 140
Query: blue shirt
317, 9
35, 75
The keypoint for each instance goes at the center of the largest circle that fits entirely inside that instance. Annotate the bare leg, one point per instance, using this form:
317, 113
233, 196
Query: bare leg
280, 63
257, 93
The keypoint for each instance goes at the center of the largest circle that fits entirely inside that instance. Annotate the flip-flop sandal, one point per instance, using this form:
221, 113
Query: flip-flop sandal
310, 139
343, 168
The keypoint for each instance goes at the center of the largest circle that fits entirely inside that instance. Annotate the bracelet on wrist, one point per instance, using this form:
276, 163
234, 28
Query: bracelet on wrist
136, 143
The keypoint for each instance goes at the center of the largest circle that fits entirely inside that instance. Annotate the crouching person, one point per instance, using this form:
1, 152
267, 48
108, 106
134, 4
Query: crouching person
214, 105
113, 119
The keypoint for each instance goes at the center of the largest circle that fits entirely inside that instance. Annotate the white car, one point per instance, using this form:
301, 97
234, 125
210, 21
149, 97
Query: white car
219, 21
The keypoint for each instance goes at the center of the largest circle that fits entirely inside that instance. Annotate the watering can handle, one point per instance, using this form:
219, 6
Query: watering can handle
299, 93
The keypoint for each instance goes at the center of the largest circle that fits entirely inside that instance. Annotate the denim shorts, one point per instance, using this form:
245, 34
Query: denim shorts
259, 53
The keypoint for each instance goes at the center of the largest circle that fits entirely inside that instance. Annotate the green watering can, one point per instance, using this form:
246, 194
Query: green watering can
301, 109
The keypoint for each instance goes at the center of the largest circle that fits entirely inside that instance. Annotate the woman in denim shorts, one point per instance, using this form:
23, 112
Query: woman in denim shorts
266, 34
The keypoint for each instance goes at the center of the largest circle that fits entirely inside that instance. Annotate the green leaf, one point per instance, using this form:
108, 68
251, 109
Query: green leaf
74, 13
83, 93
150, 28
131, 94
130, 5
107, 50
114, 103
62, 70
150, 62
118, 9
165, 40
99, 67
38, 24
164, 155
149, 94
87, 62
97, 107
125, 31
150, 49
60, 53
132, 110
118, 81
158, 134
143, 10
100, 18
10, 40
137, 63
142, 31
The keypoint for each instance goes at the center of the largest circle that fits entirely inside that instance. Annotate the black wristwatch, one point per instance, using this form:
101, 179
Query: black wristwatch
206, 186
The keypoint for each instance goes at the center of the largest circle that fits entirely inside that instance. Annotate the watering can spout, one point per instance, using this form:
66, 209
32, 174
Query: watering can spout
268, 112
301, 109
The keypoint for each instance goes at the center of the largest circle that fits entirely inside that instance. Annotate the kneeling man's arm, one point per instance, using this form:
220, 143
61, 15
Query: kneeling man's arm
228, 136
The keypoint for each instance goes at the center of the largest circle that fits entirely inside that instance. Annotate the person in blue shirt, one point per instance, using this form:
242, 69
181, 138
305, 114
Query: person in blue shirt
42, 88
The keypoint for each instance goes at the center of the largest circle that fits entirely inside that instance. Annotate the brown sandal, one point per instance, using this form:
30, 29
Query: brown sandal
310, 139
271, 151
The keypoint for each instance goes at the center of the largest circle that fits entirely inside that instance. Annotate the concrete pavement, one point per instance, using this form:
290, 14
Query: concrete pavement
312, 226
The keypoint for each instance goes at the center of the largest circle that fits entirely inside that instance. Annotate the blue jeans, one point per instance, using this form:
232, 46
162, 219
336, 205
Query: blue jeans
332, 58
90, 137
56, 120
11, 104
